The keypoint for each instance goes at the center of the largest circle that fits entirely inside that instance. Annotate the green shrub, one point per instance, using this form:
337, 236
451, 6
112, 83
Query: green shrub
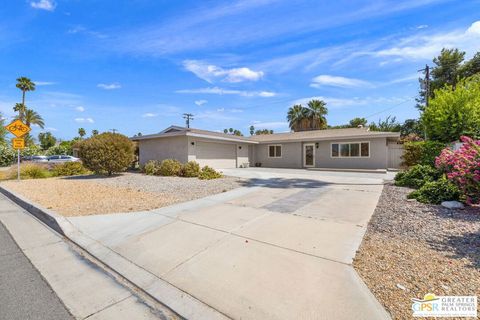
106, 153
435, 192
30, 171
151, 168
417, 176
7, 155
421, 152
69, 169
208, 173
191, 169
170, 167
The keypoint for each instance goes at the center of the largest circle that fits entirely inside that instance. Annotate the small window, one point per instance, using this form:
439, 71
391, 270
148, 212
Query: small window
275, 151
335, 150
350, 150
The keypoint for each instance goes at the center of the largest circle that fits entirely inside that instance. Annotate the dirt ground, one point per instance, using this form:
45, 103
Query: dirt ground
91, 195
411, 249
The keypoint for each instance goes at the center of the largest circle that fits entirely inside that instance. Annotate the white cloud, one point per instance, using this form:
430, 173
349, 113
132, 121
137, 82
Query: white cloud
83, 30
48, 5
149, 115
214, 115
84, 120
220, 91
335, 81
50, 129
333, 102
210, 73
422, 26
111, 86
427, 46
220, 109
234, 110
80, 109
200, 102
44, 83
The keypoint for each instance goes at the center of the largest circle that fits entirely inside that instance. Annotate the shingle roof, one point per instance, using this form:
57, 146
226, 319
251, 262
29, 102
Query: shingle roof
312, 135
325, 134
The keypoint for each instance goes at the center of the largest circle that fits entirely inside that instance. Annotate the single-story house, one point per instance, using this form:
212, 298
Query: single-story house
350, 148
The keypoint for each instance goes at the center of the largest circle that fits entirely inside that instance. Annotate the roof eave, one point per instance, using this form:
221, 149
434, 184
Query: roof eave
370, 136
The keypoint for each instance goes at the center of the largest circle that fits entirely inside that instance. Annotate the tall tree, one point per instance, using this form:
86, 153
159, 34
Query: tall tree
81, 132
447, 69
297, 117
390, 124
95, 132
32, 117
316, 112
252, 130
24, 84
47, 140
471, 67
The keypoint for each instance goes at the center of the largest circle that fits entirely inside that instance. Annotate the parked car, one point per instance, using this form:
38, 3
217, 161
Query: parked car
62, 158
35, 158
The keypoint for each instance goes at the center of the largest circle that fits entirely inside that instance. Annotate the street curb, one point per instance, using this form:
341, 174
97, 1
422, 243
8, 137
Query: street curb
180, 302
46, 216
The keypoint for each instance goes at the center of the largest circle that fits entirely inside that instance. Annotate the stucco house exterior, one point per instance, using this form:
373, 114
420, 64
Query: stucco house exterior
351, 148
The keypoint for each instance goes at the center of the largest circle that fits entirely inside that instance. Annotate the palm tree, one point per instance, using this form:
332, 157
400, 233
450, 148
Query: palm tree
297, 116
316, 112
20, 108
81, 132
94, 132
32, 117
24, 84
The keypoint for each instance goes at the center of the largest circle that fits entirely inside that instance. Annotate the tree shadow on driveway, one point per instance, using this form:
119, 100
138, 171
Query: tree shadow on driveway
285, 183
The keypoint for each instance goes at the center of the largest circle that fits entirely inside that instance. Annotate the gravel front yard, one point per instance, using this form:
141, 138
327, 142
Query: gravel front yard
411, 249
87, 195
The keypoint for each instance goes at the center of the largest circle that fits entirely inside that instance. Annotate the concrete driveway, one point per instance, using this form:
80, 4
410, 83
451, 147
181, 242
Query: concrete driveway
279, 248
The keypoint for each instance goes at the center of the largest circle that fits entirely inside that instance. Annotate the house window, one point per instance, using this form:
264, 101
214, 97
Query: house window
275, 151
350, 150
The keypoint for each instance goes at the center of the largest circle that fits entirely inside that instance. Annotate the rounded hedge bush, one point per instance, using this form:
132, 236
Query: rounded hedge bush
417, 176
151, 168
106, 153
170, 167
436, 192
69, 169
208, 173
191, 169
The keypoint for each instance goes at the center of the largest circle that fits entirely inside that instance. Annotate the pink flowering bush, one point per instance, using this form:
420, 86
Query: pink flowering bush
462, 167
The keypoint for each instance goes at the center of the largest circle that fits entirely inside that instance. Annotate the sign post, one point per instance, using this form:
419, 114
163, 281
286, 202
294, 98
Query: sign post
18, 129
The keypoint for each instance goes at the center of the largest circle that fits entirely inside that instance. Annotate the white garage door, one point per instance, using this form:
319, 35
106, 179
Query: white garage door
216, 155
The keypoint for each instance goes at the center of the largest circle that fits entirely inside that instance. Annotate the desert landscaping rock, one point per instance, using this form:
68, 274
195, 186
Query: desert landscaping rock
452, 205
425, 248
129, 192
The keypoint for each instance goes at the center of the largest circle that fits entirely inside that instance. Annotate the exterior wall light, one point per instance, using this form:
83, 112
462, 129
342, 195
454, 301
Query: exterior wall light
316, 145
239, 147
192, 143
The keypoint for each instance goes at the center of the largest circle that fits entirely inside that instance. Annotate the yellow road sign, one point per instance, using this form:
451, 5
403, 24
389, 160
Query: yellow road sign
18, 128
18, 143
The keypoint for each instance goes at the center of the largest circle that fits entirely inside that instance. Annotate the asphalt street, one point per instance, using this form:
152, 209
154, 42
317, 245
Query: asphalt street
24, 294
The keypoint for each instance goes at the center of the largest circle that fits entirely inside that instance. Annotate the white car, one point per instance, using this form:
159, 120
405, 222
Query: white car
40, 159
62, 158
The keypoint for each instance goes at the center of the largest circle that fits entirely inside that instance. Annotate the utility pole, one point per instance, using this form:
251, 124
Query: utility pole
188, 117
427, 91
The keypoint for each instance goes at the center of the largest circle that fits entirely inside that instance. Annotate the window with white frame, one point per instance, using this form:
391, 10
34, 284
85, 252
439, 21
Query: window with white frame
350, 150
275, 151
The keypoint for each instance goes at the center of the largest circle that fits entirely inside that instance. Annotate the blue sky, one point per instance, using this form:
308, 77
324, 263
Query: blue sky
137, 65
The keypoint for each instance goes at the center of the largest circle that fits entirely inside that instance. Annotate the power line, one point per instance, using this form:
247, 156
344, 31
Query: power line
390, 108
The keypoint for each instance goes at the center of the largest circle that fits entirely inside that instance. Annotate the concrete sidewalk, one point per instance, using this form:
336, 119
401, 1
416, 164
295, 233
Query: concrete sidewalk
280, 248
86, 290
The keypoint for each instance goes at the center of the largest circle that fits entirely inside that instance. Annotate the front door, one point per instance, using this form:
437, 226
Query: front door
309, 155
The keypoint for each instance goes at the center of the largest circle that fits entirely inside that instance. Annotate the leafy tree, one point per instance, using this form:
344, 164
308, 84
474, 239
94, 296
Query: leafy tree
232, 131
252, 130
24, 84
81, 132
32, 117
316, 112
94, 132
356, 122
454, 112
390, 124
411, 127
107, 153
225, 131
47, 140
264, 131
447, 69
3, 131
297, 116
